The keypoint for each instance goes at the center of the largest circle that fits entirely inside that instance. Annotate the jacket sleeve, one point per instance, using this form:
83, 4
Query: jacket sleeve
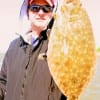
3, 78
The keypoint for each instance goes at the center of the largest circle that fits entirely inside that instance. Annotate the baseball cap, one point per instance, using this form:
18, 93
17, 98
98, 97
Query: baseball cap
50, 2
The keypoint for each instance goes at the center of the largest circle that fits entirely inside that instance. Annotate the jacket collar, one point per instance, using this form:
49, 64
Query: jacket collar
44, 36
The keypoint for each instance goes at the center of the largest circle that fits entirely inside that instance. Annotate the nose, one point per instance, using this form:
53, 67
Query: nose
41, 11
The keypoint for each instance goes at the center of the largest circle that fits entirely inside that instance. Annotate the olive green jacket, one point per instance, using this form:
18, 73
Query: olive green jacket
25, 74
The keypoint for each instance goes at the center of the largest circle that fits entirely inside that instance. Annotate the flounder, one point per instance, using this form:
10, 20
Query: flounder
71, 51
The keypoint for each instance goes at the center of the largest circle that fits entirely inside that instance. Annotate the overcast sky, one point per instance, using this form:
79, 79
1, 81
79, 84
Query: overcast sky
9, 11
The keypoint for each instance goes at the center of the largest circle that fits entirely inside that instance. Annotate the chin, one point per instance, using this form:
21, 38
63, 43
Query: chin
42, 25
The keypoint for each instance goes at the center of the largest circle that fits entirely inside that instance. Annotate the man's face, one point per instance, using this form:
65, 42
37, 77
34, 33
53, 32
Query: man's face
39, 16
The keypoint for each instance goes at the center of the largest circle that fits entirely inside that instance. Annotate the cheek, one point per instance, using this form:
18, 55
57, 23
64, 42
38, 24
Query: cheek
31, 15
49, 16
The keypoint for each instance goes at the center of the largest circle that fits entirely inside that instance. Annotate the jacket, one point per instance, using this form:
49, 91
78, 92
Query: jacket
25, 74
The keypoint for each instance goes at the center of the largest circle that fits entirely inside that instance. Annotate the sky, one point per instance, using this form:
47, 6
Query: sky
9, 11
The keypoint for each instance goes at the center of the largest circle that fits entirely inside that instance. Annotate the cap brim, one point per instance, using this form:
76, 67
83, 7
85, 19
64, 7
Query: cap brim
50, 2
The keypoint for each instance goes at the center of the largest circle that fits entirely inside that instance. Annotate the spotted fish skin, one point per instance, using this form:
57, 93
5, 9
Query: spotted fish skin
71, 51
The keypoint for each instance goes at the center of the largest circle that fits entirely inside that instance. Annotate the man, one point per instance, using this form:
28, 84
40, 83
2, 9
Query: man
24, 74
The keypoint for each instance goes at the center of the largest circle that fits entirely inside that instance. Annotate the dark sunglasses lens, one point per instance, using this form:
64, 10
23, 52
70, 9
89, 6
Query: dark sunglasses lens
47, 8
34, 8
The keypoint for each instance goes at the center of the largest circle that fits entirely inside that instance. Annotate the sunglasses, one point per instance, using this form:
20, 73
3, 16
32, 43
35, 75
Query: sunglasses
45, 8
